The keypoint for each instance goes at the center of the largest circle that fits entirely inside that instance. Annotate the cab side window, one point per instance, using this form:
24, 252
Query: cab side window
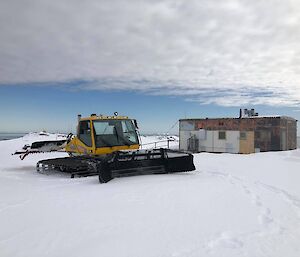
84, 133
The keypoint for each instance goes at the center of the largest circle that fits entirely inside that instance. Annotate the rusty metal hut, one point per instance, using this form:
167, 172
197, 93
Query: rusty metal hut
248, 133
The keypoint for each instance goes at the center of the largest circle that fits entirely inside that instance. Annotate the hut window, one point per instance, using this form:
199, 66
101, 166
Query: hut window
243, 135
222, 135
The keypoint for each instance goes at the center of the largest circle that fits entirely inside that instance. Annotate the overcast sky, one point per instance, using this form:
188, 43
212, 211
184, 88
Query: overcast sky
223, 53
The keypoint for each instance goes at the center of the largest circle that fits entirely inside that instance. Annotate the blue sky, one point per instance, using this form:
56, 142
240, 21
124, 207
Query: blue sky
154, 60
54, 108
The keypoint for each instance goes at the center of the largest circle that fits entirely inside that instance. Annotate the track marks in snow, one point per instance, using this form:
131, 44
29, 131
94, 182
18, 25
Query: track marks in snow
225, 240
264, 217
222, 241
269, 226
292, 200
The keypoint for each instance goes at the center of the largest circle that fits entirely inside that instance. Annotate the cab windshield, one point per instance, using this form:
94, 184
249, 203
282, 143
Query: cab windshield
114, 133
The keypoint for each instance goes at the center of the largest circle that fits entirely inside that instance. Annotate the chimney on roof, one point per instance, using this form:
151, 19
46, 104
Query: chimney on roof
240, 114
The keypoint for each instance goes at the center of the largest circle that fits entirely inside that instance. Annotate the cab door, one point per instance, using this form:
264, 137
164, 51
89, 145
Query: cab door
85, 137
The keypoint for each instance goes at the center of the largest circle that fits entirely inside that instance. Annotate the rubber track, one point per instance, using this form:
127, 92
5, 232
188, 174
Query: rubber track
121, 164
80, 166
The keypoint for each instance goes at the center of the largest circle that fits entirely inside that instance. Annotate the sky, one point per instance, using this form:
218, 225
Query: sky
156, 61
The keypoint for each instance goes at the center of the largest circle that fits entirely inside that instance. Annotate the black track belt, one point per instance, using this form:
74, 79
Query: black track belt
121, 164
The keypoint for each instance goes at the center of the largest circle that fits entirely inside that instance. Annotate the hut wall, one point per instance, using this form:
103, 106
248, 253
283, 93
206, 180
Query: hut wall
212, 143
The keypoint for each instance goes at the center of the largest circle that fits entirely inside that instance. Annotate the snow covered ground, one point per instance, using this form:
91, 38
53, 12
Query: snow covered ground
232, 205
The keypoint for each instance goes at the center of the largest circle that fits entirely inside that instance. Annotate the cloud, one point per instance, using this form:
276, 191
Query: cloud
230, 53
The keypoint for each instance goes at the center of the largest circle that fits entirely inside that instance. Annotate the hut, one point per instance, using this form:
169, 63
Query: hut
248, 133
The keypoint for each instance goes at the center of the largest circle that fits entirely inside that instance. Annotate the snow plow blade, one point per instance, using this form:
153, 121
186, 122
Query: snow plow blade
121, 164
157, 161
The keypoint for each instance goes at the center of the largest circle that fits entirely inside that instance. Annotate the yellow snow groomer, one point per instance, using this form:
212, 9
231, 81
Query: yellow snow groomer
107, 146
